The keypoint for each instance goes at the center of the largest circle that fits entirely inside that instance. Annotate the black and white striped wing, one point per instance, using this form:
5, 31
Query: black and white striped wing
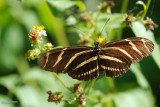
79, 62
84, 66
117, 56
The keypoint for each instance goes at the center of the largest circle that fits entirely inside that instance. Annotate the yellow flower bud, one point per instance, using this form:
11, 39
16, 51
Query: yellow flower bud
101, 41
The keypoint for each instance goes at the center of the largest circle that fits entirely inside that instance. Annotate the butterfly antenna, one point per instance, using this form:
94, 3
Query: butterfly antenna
104, 26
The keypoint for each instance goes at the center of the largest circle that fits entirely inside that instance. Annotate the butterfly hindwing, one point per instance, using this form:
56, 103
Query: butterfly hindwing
113, 64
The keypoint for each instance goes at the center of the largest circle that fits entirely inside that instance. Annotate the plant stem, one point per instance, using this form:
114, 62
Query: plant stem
91, 85
92, 99
124, 6
39, 47
85, 86
111, 84
61, 80
145, 11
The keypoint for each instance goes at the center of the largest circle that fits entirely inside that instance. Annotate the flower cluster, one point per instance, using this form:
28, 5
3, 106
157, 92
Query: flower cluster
54, 97
129, 19
85, 40
82, 98
149, 24
48, 46
86, 17
77, 87
36, 34
106, 6
32, 54
78, 91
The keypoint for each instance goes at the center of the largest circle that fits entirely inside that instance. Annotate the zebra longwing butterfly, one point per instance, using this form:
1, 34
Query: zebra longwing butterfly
86, 63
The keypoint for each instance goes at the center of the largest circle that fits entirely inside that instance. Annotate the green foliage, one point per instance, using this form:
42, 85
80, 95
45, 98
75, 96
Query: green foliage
62, 5
26, 83
134, 98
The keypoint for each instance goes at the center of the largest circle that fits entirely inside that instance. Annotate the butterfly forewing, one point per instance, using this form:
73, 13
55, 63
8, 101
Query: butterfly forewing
134, 49
127, 51
87, 63
79, 62
57, 59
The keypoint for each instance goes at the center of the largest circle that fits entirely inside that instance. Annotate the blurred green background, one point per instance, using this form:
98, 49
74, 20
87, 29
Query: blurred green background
25, 82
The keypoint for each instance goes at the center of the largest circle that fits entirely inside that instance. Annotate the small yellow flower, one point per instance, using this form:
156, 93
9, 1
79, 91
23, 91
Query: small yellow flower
48, 45
40, 28
101, 41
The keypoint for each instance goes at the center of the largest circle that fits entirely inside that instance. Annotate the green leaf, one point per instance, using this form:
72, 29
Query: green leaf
135, 68
54, 25
5, 101
62, 5
9, 81
71, 20
11, 46
81, 5
30, 97
140, 31
135, 98
29, 19
48, 81
27, 96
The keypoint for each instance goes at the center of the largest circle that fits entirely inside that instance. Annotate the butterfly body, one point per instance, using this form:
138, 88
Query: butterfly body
87, 63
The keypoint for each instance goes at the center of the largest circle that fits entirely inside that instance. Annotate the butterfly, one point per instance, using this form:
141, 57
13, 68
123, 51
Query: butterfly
87, 63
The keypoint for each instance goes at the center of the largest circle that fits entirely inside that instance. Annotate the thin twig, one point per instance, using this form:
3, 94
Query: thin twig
85, 86
97, 15
61, 80
92, 99
91, 85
